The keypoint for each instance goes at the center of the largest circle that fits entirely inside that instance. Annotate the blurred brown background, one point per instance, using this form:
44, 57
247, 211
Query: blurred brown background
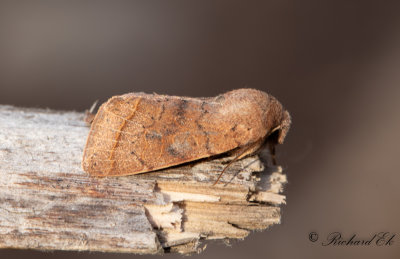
335, 65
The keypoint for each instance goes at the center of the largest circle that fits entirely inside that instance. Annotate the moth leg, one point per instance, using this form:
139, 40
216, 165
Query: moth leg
246, 150
271, 147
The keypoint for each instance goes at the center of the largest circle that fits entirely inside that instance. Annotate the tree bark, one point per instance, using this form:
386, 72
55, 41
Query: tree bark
48, 202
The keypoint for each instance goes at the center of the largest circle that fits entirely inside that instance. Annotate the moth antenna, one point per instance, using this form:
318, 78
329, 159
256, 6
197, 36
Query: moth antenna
234, 160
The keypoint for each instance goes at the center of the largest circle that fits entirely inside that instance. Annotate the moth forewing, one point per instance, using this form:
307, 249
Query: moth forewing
137, 132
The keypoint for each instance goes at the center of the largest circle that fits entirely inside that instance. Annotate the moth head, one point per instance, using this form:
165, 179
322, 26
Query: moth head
284, 127
278, 133
276, 120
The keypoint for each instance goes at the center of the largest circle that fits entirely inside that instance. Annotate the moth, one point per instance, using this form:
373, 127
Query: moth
138, 133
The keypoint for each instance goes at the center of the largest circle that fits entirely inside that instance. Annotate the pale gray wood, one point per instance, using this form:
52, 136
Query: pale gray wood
47, 201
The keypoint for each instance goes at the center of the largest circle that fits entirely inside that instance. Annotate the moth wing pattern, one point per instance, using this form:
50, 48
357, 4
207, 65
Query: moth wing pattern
136, 132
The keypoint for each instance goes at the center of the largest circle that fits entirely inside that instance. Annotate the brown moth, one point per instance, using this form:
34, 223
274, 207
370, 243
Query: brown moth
137, 132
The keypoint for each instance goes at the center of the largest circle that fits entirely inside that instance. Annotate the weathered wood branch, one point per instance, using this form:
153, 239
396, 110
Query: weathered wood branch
48, 202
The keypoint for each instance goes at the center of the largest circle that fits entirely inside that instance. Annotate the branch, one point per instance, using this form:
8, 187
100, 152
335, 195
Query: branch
48, 202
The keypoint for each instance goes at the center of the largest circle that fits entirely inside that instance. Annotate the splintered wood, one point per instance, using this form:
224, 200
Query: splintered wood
48, 202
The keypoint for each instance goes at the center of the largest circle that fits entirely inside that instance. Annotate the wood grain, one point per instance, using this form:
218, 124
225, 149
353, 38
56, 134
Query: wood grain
48, 202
